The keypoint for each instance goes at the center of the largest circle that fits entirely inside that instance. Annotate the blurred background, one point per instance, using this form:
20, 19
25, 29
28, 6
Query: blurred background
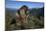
36, 18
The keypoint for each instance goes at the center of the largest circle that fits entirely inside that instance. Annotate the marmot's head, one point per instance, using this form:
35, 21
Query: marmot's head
24, 7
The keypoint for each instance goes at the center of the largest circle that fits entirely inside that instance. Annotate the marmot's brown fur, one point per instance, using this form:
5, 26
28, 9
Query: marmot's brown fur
22, 18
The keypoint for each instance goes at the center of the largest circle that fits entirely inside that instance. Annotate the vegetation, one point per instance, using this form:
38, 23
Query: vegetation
35, 19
